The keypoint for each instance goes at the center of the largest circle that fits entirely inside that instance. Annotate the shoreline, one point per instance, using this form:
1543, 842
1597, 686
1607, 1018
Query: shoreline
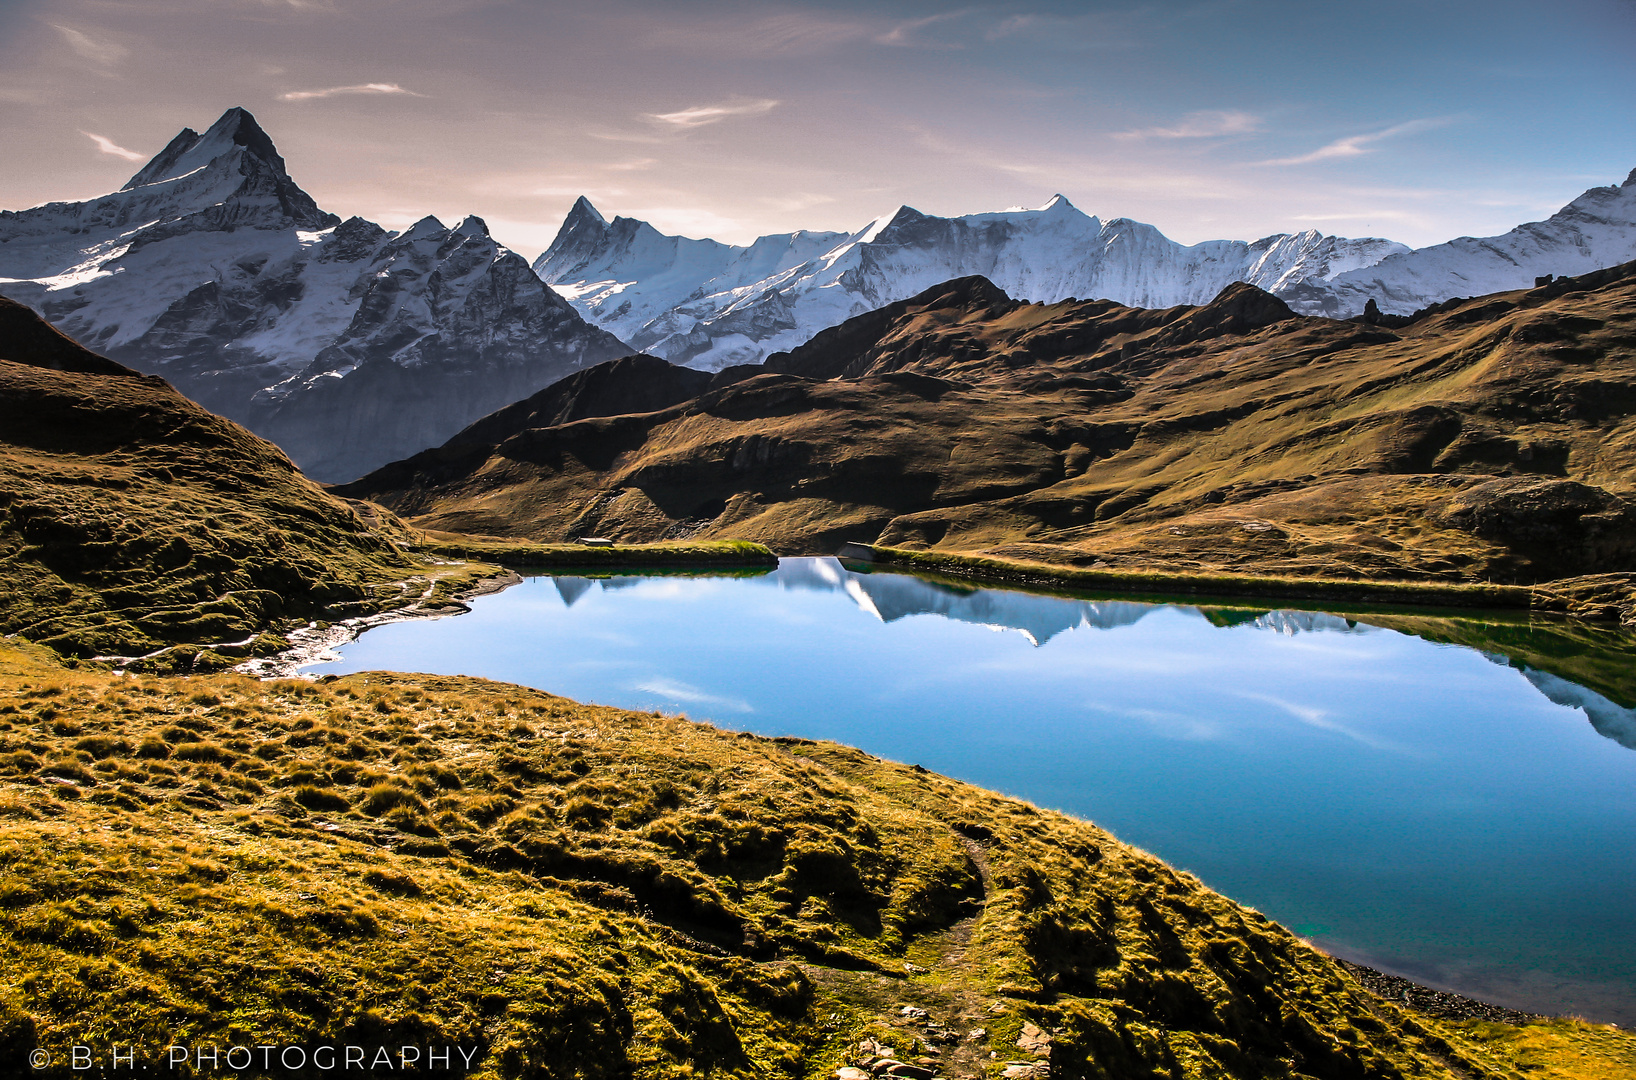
1427, 1000
1519, 598
315, 644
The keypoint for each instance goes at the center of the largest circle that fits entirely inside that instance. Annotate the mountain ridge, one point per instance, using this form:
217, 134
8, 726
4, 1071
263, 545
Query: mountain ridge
135, 524
711, 305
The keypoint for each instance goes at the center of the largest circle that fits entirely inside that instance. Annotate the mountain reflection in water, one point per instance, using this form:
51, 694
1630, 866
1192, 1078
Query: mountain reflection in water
1039, 618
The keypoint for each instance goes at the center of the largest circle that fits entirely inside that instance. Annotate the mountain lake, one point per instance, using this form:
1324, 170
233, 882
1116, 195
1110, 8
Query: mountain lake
1446, 796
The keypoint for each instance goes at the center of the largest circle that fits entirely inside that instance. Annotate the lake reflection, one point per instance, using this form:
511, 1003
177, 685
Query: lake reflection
1442, 811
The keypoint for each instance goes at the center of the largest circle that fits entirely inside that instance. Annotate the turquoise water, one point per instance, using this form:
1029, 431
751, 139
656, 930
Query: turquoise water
1423, 808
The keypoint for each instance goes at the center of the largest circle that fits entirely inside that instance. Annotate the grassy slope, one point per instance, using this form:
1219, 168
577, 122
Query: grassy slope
1226, 439
131, 519
585, 891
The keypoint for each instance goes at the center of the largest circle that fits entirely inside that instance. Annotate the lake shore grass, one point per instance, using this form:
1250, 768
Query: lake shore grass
1222, 586
679, 554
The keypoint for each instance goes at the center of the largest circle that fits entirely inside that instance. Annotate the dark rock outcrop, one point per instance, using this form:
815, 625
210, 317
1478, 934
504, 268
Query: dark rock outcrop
1565, 527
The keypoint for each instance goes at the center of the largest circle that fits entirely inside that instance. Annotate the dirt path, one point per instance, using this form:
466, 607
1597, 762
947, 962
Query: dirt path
935, 1018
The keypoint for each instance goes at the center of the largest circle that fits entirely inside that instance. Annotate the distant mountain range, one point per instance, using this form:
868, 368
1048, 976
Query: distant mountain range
711, 305
351, 346
347, 345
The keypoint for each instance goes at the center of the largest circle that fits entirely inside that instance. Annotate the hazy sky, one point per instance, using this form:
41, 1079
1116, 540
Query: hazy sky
1220, 119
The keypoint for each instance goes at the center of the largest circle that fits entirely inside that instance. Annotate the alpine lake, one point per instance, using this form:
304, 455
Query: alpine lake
1447, 796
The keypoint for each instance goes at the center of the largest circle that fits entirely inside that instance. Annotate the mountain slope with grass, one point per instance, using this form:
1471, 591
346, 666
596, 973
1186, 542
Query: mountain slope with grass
132, 520
566, 890
1483, 440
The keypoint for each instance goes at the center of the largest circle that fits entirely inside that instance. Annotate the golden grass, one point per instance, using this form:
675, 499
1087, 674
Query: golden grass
995, 568
674, 553
590, 892
132, 520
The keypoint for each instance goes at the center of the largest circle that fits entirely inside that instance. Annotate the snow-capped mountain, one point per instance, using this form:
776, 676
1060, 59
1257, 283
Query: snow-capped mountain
1596, 230
348, 345
709, 305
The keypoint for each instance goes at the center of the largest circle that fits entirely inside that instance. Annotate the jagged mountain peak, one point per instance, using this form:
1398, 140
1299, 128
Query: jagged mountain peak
583, 211
347, 344
189, 150
427, 226
1630, 181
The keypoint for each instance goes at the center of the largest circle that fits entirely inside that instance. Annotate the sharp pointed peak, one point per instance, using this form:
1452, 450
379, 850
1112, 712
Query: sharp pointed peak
583, 210
1630, 181
239, 126
472, 225
190, 150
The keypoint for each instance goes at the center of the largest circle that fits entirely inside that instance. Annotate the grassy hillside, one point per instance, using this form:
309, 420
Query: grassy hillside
1487, 440
581, 891
132, 520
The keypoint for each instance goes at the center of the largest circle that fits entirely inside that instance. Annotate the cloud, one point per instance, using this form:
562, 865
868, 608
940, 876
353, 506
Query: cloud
700, 115
1356, 145
680, 691
1016, 24
1210, 123
361, 88
777, 34
903, 34
108, 146
103, 54
1319, 718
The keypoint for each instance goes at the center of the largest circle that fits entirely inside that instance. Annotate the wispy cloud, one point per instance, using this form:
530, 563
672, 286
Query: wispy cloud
1320, 719
102, 53
108, 146
1014, 24
1356, 145
700, 115
361, 88
674, 690
906, 33
1211, 123
1171, 725
794, 32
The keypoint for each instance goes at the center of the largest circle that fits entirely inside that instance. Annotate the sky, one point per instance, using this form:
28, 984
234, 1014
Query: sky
1217, 119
